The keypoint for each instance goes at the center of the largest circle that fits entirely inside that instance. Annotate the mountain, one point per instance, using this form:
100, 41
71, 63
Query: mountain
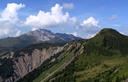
33, 37
43, 35
13, 50
16, 64
109, 39
102, 58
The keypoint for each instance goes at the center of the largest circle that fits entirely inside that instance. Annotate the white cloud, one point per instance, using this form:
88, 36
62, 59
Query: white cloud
68, 5
74, 33
48, 19
9, 20
4, 31
10, 12
90, 26
8, 30
90, 22
89, 36
18, 33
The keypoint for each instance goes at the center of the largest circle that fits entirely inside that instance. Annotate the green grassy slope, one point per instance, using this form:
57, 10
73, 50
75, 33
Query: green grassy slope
103, 58
63, 61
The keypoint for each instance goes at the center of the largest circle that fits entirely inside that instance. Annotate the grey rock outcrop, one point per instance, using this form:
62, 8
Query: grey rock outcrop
26, 63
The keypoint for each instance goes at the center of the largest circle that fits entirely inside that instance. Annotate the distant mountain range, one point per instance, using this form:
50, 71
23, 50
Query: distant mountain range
102, 58
34, 37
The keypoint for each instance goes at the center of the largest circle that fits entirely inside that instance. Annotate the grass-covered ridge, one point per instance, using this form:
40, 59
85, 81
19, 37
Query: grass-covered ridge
103, 60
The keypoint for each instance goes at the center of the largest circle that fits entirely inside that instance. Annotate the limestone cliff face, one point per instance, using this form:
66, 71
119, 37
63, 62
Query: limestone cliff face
24, 64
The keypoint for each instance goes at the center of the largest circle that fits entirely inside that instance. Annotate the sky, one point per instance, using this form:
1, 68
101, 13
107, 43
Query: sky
83, 18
